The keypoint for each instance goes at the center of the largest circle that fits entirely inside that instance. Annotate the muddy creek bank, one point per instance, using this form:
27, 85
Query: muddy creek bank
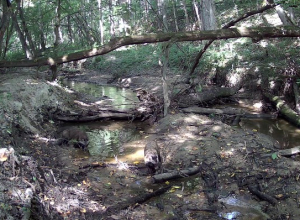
236, 176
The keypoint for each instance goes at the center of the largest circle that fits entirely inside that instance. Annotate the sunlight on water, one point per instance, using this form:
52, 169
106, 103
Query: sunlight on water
108, 139
120, 97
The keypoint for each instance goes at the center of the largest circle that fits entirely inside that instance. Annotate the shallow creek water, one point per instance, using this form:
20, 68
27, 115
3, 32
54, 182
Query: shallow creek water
109, 139
123, 139
286, 134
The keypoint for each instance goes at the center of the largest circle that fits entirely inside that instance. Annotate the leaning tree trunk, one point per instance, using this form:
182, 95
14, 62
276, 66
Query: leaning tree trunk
21, 37
25, 29
4, 26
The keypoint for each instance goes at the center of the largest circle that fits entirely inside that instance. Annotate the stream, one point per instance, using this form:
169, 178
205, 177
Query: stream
109, 139
125, 141
122, 139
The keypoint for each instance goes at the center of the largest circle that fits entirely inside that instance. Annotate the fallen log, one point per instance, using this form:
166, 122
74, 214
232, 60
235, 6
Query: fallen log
87, 118
174, 175
285, 111
227, 111
188, 99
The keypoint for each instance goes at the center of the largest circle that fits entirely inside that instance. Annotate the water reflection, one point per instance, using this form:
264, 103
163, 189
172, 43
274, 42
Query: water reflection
108, 139
122, 98
111, 138
286, 134
108, 143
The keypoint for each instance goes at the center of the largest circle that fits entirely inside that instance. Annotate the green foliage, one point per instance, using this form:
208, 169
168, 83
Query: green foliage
135, 58
274, 156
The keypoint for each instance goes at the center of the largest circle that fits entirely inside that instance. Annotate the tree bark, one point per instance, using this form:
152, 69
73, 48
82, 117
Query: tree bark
204, 96
57, 29
297, 97
4, 24
101, 29
207, 8
25, 29
195, 4
175, 16
259, 32
284, 109
186, 16
165, 61
25, 47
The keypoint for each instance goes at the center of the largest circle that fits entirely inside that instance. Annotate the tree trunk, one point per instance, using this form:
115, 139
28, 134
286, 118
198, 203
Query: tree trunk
208, 12
8, 36
57, 28
165, 61
261, 32
204, 96
111, 20
286, 112
186, 16
70, 32
297, 97
101, 30
4, 25
25, 29
197, 14
21, 37
175, 16
283, 16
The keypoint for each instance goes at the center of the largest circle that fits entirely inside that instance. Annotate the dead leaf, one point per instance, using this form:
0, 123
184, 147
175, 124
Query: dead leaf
83, 210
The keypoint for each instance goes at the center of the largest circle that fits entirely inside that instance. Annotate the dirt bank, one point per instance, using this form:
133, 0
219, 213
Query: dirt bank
236, 174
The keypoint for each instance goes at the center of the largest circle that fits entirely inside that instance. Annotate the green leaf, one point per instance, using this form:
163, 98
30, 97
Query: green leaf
274, 156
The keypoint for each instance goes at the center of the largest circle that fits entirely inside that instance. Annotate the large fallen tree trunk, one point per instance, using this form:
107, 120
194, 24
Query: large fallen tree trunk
87, 118
186, 100
255, 33
285, 111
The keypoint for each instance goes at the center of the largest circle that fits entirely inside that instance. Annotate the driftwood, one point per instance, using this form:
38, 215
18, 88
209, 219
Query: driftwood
286, 112
174, 175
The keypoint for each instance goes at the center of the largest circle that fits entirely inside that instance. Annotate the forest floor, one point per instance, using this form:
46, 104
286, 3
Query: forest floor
236, 176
